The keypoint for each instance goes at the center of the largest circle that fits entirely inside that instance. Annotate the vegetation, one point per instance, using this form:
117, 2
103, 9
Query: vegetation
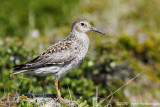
130, 47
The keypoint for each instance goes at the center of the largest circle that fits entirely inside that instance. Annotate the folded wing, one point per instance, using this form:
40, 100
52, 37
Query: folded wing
57, 55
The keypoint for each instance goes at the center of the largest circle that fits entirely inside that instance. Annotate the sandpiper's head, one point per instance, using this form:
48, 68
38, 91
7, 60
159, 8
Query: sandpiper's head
83, 26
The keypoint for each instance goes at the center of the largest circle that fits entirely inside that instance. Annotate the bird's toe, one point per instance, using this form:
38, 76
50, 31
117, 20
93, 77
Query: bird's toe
65, 101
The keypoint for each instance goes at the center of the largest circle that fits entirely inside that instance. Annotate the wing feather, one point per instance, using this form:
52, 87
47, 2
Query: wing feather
58, 54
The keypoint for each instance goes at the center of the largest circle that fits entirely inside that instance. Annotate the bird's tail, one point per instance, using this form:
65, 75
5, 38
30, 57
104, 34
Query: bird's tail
18, 69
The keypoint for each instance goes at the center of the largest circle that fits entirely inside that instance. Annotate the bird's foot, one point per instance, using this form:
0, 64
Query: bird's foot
65, 101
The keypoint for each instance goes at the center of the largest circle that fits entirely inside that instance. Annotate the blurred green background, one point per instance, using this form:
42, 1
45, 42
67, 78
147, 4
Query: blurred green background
131, 46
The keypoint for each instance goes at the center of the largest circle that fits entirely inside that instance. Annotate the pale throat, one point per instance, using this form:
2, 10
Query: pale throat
80, 35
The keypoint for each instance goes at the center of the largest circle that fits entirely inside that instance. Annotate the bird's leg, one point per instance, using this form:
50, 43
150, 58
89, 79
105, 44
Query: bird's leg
62, 100
57, 85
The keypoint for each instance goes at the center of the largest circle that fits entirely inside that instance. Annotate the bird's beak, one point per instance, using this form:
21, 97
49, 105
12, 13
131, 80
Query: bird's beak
96, 30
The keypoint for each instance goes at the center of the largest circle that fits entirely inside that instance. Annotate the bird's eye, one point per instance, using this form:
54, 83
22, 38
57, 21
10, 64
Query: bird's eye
82, 24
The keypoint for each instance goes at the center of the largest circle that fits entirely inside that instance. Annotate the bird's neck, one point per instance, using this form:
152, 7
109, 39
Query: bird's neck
81, 39
78, 35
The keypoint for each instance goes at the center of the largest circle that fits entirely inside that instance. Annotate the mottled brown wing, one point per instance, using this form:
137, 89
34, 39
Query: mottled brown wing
44, 61
58, 54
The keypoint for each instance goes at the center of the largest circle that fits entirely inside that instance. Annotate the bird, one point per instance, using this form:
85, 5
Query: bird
61, 57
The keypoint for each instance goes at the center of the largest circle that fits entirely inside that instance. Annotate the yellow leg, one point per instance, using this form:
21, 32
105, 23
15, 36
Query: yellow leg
57, 85
65, 101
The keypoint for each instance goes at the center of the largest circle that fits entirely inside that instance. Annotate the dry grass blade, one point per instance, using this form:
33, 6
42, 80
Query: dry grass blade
111, 94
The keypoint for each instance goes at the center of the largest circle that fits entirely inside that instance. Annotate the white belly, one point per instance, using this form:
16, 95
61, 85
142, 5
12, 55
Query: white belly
67, 68
45, 71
